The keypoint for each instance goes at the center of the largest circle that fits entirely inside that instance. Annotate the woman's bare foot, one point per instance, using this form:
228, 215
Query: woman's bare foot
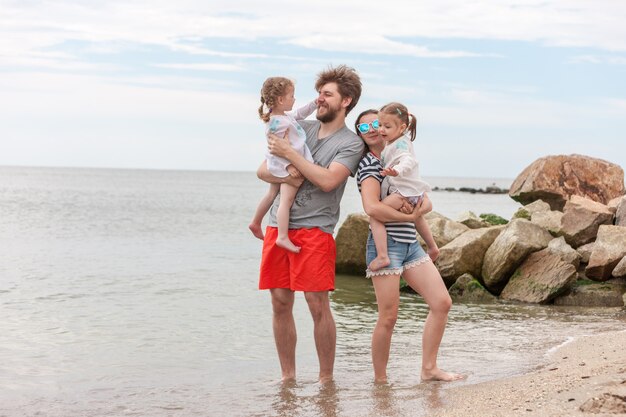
439, 375
379, 262
285, 243
256, 230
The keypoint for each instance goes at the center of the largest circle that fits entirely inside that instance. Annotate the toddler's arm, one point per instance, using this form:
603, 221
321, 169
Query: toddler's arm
303, 112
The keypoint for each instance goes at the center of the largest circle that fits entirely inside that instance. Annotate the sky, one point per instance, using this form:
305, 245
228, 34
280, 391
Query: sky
494, 84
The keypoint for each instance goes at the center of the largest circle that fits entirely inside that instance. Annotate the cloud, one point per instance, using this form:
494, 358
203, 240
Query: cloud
203, 67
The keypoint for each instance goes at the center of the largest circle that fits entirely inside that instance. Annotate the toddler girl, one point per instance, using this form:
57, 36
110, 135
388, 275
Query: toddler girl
401, 166
277, 98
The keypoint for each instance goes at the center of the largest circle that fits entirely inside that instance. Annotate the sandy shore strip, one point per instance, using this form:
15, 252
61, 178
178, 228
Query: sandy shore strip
586, 377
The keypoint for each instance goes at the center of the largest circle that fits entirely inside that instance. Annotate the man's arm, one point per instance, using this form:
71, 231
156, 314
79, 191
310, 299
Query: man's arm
264, 175
326, 179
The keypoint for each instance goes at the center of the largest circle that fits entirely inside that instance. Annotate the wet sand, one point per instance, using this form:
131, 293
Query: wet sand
586, 377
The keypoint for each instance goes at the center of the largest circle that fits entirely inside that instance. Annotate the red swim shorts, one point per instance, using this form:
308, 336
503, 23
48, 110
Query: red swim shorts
313, 269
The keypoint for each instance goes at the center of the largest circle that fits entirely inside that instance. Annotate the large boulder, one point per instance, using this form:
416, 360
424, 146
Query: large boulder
509, 249
620, 269
554, 179
542, 277
467, 289
582, 218
465, 253
620, 213
609, 249
568, 254
585, 252
443, 229
350, 241
587, 293
550, 220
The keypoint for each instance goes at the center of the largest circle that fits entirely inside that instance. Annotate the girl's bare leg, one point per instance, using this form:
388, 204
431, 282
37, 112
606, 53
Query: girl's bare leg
287, 196
424, 230
425, 279
262, 209
379, 233
387, 289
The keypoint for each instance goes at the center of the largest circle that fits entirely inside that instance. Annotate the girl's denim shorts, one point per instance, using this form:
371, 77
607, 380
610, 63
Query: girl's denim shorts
402, 256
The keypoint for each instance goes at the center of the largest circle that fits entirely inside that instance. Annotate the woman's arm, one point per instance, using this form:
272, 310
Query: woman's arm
370, 194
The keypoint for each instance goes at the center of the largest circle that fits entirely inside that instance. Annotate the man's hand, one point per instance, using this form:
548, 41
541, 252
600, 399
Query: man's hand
279, 146
293, 172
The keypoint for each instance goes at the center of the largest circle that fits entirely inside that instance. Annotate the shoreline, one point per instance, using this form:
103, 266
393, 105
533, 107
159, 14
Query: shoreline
587, 372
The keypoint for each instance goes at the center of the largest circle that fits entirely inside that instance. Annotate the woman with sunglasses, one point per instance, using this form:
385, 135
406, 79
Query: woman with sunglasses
408, 260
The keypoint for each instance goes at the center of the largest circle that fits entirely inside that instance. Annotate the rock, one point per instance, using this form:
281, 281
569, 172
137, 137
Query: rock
585, 252
467, 289
350, 241
556, 178
472, 221
519, 238
620, 269
620, 213
465, 253
581, 219
493, 219
541, 277
586, 293
566, 252
443, 229
609, 249
614, 203
549, 220
537, 206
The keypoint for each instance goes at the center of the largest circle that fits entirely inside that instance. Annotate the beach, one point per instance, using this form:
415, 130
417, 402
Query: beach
587, 374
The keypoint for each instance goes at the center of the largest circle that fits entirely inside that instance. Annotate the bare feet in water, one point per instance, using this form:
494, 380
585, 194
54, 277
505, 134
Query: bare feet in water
256, 230
379, 262
439, 375
285, 243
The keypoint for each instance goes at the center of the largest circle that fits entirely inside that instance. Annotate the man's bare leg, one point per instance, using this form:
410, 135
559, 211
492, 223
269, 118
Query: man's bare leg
284, 331
324, 332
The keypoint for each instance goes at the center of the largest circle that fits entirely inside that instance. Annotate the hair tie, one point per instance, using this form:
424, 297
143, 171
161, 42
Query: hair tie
399, 112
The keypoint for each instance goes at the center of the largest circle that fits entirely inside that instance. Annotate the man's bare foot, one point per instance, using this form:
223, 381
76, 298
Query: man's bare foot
439, 375
380, 381
379, 262
326, 379
288, 381
285, 243
256, 230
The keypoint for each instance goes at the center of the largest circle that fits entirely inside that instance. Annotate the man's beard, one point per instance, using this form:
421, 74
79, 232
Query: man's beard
330, 115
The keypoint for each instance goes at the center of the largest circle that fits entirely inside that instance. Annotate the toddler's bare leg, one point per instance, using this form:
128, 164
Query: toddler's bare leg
379, 233
262, 209
287, 196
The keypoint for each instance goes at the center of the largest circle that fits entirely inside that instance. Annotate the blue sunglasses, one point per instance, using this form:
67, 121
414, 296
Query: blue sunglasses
365, 127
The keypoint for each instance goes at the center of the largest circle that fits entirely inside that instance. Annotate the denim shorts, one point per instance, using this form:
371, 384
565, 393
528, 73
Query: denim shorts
402, 256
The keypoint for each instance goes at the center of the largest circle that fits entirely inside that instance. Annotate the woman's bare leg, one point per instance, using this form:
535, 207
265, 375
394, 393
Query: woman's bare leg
287, 196
387, 289
425, 279
262, 209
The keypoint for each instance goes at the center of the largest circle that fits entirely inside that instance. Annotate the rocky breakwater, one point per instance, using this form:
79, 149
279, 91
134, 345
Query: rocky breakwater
568, 250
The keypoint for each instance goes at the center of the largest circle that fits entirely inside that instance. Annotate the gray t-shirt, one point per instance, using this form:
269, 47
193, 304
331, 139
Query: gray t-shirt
313, 207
